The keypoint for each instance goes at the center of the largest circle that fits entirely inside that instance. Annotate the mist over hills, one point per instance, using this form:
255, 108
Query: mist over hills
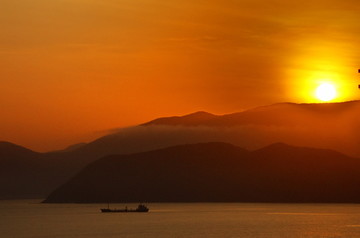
280, 114
28, 174
325, 125
193, 119
217, 172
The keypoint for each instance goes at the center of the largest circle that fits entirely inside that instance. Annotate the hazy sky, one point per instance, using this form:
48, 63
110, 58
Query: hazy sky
72, 69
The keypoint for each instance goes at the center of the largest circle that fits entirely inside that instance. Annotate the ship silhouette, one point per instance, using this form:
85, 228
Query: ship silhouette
140, 208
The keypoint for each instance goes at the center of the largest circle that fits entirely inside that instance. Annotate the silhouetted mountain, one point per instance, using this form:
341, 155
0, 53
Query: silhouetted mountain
25, 173
9, 150
217, 172
28, 174
19, 170
278, 114
326, 125
72, 147
194, 119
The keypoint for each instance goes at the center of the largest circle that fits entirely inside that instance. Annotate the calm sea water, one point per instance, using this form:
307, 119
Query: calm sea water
29, 218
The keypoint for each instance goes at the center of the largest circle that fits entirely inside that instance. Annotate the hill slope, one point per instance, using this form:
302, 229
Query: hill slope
27, 174
194, 119
327, 125
217, 172
20, 172
282, 114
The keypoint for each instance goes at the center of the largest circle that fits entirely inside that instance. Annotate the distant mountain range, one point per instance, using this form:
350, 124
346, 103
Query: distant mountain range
194, 119
27, 174
326, 125
24, 173
281, 114
217, 172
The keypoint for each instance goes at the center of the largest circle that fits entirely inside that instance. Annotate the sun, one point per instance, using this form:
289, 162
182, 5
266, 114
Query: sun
326, 92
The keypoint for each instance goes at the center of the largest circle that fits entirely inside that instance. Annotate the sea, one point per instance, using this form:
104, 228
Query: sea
32, 219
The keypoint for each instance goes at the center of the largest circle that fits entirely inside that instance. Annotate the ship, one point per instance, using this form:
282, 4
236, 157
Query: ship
140, 208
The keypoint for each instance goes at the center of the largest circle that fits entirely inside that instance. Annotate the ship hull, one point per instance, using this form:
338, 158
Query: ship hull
121, 210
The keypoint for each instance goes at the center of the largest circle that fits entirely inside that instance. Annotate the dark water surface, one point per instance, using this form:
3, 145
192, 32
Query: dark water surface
30, 218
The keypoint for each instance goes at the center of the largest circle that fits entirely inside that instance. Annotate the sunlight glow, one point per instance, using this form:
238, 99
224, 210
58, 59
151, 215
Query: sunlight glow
318, 62
326, 92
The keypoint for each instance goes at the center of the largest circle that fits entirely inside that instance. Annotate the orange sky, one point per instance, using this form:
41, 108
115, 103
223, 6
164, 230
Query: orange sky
72, 69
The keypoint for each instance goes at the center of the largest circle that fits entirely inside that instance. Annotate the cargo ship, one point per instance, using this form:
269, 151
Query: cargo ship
140, 208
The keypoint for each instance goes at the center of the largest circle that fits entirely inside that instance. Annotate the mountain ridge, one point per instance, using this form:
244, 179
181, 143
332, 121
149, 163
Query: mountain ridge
212, 120
199, 116
216, 172
333, 126
11, 149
